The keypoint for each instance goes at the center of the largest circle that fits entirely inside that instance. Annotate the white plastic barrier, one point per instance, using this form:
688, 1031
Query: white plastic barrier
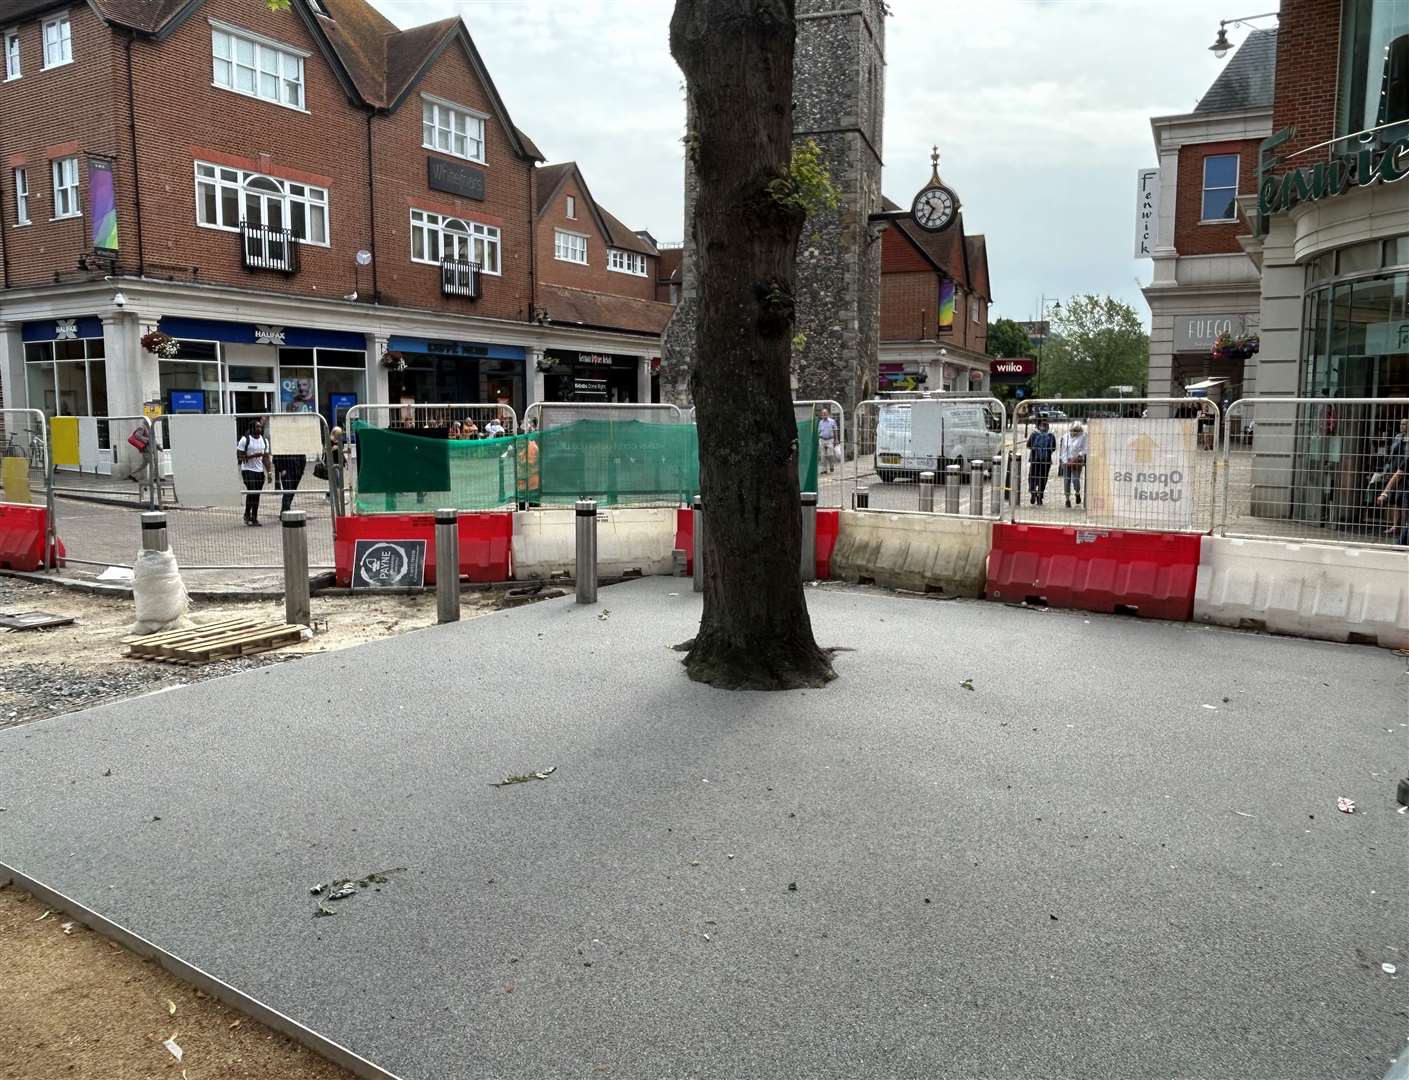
628, 540
920, 552
1310, 590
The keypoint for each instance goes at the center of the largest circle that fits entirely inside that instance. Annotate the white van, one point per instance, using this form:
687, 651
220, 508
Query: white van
924, 436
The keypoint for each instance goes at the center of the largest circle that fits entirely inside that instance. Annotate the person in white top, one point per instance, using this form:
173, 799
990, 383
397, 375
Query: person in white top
253, 452
494, 428
1071, 460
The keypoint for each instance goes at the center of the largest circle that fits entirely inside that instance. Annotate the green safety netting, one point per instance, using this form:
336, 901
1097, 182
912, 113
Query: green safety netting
618, 463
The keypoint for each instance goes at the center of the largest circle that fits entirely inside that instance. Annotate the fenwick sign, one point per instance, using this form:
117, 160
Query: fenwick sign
1331, 178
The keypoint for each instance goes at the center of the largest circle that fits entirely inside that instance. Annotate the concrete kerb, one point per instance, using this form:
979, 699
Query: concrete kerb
916, 552
1324, 591
188, 973
318, 584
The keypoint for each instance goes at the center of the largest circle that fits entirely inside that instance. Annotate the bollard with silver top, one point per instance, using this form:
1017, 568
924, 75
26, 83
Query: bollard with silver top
297, 607
154, 531
586, 551
861, 499
447, 565
951, 489
927, 492
699, 523
808, 562
976, 487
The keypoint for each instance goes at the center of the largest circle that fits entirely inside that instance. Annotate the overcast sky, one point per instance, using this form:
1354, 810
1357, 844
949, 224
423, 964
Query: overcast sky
1040, 108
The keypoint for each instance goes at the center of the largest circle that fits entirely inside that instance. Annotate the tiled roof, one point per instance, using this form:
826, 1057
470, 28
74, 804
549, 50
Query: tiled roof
624, 238
577, 307
1247, 81
550, 180
977, 247
408, 51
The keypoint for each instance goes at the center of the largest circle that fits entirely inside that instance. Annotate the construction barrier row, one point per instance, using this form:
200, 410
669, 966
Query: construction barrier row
23, 532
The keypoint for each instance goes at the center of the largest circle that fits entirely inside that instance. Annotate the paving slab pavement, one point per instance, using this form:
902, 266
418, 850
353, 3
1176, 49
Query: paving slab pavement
1074, 870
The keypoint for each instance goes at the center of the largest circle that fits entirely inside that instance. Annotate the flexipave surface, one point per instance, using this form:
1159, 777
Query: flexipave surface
1074, 869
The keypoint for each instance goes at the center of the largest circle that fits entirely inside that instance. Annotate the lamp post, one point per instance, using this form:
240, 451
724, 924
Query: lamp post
1043, 304
1221, 46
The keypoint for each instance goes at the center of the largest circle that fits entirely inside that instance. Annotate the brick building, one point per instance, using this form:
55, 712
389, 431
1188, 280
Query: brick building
1203, 282
935, 296
290, 195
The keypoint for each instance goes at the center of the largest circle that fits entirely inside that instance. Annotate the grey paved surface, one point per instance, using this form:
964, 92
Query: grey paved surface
1098, 905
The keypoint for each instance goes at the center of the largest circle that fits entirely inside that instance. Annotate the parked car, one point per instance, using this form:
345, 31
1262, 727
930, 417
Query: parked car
924, 436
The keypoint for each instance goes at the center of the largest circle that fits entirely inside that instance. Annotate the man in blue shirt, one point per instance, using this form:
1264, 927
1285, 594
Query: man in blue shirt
827, 440
1040, 446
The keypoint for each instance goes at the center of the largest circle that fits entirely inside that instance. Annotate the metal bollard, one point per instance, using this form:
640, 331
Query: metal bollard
808, 562
154, 531
297, 608
861, 499
927, 492
447, 566
999, 482
976, 487
699, 523
1015, 476
586, 551
951, 489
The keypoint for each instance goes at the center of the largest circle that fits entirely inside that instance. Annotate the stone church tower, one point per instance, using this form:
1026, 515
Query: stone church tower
839, 101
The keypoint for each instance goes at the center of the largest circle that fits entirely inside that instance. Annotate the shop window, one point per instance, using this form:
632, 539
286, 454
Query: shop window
66, 377
1358, 258
1220, 188
1397, 251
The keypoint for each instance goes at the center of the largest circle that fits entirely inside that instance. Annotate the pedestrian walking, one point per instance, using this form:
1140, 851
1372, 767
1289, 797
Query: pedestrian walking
827, 433
253, 452
1071, 460
1041, 444
288, 473
1396, 491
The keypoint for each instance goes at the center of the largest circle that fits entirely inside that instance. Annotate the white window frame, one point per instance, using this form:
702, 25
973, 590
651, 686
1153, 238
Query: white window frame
565, 247
267, 59
439, 123
459, 236
626, 262
64, 34
12, 55
1204, 189
973, 309
22, 196
224, 178
570, 208
59, 187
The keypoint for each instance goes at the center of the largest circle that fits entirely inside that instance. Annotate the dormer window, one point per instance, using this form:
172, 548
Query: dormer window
626, 262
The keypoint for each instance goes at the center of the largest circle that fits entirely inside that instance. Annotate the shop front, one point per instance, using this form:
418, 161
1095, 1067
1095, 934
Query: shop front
434, 371
1012, 379
590, 377
231, 367
1210, 355
64, 367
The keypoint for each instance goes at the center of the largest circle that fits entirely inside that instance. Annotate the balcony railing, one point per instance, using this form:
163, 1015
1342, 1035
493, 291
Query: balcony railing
459, 278
268, 249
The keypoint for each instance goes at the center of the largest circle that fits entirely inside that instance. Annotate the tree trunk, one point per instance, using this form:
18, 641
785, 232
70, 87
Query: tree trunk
737, 56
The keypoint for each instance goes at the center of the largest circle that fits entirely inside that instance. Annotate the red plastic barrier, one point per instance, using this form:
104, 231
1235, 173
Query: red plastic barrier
1111, 570
828, 526
22, 530
485, 542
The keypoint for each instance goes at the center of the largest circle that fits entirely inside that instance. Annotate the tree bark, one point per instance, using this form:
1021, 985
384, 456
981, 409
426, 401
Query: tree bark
737, 56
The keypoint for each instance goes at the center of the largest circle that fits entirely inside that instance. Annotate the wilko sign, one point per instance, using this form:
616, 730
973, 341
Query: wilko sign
1025, 367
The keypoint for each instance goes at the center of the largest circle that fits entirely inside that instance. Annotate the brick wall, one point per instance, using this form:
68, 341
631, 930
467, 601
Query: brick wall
401, 185
595, 276
899, 254
909, 305
1308, 45
1191, 237
57, 113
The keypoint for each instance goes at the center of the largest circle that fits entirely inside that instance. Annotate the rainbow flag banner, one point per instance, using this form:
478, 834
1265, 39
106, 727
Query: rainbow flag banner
946, 304
102, 204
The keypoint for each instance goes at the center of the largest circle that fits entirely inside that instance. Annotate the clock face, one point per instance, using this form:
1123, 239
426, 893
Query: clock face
933, 208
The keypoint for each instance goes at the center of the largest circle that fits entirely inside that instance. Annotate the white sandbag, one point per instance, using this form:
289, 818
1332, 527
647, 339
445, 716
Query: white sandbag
159, 592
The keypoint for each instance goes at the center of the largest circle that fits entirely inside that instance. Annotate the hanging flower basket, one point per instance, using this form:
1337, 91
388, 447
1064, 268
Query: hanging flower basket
1228, 347
393, 360
161, 345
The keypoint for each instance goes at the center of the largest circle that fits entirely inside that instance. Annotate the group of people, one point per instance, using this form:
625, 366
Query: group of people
1070, 454
468, 429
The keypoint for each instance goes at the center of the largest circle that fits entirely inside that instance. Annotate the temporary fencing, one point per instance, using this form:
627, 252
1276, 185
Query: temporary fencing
1333, 470
931, 453
1115, 463
831, 450
28, 539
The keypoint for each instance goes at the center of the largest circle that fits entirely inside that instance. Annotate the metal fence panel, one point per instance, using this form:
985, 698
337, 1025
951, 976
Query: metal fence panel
1115, 463
831, 468
102, 510
545, 414
27, 467
1333, 470
478, 485
903, 447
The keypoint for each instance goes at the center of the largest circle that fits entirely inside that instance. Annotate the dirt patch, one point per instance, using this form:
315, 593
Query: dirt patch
51, 672
79, 1006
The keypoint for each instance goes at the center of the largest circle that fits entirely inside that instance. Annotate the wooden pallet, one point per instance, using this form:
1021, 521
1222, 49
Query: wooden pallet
219, 640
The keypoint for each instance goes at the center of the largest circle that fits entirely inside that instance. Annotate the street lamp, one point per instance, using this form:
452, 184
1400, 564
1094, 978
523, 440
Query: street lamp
1056, 307
1221, 46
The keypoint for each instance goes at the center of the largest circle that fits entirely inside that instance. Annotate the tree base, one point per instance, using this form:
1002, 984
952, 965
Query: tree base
776, 665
